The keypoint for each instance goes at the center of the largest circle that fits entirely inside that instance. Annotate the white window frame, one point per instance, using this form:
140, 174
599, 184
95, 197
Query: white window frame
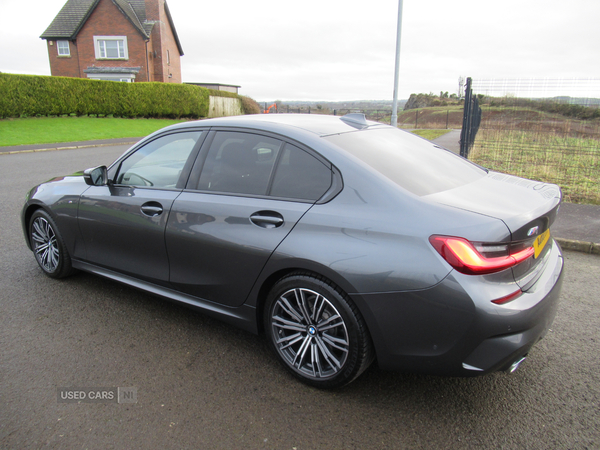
58, 48
100, 46
126, 78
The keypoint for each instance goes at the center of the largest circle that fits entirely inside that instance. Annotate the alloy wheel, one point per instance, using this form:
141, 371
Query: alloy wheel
45, 245
310, 333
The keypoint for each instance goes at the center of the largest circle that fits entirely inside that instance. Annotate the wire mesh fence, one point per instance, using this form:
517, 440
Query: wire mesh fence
547, 130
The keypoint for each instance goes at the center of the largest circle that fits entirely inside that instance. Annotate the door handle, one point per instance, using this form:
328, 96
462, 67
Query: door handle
267, 219
152, 209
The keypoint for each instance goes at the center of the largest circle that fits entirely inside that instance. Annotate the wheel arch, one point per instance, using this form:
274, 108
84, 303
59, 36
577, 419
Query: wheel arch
26, 220
261, 291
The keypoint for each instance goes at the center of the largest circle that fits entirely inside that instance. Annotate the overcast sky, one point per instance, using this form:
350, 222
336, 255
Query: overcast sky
344, 49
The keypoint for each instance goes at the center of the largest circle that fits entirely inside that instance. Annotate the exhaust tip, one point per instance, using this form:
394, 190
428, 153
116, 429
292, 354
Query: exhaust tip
514, 366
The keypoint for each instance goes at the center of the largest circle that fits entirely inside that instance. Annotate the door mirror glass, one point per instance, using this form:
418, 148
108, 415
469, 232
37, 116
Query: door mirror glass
96, 176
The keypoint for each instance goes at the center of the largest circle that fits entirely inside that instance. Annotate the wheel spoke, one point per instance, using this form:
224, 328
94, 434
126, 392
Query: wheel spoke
317, 310
332, 360
302, 351
291, 340
289, 309
39, 234
301, 301
316, 360
41, 248
287, 324
328, 325
333, 342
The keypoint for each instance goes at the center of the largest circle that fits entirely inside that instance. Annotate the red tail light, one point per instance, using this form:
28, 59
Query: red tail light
464, 257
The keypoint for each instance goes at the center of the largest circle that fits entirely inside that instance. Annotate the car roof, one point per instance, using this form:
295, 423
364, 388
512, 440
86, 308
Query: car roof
321, 125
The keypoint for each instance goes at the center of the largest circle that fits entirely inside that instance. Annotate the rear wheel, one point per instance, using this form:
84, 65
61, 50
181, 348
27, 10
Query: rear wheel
316, 331
48, 247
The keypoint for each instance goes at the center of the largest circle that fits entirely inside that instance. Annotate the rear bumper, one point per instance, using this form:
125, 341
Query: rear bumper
454, 329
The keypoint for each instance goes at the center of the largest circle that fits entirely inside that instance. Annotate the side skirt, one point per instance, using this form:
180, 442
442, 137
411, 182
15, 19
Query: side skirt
243, 317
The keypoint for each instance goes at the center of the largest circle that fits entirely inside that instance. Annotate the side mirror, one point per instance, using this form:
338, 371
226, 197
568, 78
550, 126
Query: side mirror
97, 176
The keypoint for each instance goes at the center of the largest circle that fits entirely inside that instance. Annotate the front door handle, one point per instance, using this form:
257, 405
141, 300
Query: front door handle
152, 209
267, 219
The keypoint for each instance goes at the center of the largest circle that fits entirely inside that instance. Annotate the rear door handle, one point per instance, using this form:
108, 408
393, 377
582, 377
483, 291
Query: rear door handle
267, 219
152, 209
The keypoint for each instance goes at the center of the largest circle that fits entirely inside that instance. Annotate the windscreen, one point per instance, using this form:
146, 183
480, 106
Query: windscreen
413, 163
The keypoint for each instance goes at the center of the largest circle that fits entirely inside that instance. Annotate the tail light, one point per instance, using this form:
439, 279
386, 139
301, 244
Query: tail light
479, 259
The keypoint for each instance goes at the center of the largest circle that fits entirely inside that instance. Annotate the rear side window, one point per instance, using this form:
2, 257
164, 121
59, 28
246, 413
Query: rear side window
411, 162
240, 163
300, 175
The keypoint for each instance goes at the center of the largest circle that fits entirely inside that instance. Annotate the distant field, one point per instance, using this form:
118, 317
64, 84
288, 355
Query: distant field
47, 130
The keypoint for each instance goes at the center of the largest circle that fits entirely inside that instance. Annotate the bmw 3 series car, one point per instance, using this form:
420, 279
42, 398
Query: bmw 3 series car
342, 240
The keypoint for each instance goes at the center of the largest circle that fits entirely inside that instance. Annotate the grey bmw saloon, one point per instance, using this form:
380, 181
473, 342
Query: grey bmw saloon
343, 240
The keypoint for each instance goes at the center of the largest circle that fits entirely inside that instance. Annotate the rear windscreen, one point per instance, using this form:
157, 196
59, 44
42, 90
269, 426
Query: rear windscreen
413, 163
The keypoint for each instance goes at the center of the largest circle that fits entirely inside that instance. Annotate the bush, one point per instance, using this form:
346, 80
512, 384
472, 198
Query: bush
30, 95
249, 106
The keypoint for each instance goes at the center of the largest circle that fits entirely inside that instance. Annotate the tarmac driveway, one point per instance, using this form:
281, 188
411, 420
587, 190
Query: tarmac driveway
203, 384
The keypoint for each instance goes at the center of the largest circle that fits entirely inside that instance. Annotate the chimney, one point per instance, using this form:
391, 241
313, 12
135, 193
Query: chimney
153, 10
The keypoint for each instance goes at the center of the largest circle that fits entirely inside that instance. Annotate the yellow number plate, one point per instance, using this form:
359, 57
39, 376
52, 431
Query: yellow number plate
540, 243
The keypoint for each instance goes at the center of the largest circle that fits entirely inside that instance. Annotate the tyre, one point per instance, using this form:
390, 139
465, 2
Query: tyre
316, 331
48, 247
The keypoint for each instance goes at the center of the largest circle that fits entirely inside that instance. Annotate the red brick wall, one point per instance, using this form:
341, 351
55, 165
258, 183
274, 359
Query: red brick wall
163, 41
107, 20
63, 66
174, 67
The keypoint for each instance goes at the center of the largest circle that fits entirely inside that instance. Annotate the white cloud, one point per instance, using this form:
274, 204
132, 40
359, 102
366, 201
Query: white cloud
339, 50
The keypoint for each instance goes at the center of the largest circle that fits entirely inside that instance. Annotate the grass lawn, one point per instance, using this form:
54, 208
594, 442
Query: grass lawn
47, 130
430, 134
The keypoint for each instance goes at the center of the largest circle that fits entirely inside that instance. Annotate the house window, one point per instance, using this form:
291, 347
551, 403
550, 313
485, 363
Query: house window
63, 48
111, 47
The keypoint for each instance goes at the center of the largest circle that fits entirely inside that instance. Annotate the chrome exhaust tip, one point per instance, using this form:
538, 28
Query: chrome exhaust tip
514, 366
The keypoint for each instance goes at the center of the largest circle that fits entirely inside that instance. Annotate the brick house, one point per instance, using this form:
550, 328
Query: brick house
119, 40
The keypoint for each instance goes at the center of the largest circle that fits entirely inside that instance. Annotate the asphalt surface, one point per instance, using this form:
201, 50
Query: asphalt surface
203, 384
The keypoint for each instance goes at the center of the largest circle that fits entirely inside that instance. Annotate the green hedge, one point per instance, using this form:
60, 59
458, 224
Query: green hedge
30, 95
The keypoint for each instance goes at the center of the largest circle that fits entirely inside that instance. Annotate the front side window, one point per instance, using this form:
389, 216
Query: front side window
158, 164
63, 48
111, 47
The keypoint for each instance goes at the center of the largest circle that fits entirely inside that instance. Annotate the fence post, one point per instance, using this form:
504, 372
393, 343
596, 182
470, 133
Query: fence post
447, 117
417, 119
471, 120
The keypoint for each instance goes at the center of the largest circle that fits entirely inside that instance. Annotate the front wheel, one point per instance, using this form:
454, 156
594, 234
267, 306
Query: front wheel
316, 331
48, 247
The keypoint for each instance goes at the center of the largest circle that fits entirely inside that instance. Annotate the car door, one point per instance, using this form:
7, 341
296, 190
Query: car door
123, 223
245, 195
